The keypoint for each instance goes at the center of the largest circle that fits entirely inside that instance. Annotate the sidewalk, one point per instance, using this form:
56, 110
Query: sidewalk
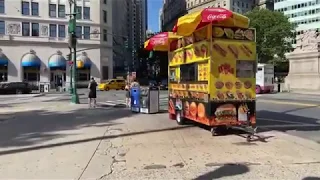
304, 98
187, 153
116, 144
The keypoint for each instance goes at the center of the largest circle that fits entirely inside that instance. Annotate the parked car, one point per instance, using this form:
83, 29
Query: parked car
15, 88
163, 85
116, 84
153, 83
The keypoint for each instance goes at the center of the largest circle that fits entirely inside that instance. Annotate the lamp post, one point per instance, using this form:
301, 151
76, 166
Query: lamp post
73, 44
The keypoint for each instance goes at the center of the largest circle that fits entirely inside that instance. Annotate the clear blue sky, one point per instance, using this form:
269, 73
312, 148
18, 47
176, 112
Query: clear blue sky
153, 14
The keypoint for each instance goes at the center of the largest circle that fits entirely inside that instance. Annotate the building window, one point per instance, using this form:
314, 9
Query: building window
25, 29
105, 35
86, 13
83, 74
1, 6
25, 8
52, 10
53, 30
79, 32
105, 16
79, 12
62, 31
86, 32
35, 9
104, 1
61, 11
2, 27
31, 73
35, 29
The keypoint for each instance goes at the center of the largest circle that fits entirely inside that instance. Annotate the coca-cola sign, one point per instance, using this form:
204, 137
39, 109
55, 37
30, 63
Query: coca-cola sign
157, 41
215, 14
215, 17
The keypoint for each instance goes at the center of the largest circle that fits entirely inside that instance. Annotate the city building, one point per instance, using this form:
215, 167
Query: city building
305, 15
160, 19
121, 27
129, 33
172, 10
34, 41
138, 32
239, 6
266, 4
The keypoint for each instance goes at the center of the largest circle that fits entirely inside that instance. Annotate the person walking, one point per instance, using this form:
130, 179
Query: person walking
128, 98
92, 93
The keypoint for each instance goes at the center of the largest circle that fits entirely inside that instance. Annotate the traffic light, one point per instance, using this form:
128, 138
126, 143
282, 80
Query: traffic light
68, 57
71, 26
72, 41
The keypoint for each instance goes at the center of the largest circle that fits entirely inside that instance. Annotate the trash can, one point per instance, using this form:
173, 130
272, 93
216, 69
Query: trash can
150, 100
135, 99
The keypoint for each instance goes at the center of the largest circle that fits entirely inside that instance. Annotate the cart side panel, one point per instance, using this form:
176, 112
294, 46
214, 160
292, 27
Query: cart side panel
232, 76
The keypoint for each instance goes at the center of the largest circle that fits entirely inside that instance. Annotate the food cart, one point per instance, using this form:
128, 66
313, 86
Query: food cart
212, 71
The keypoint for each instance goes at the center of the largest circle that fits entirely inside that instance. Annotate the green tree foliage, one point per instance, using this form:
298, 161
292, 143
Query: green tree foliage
274, 32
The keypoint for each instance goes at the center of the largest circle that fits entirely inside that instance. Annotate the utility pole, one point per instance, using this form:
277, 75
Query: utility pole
69, 59
73, 45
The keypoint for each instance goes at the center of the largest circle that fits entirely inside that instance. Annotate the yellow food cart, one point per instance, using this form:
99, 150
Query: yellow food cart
212, 71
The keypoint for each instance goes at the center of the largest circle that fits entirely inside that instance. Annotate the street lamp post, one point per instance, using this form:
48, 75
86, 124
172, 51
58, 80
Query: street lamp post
72, 31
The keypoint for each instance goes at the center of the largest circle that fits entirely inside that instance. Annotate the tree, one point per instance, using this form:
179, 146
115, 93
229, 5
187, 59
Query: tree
274, 34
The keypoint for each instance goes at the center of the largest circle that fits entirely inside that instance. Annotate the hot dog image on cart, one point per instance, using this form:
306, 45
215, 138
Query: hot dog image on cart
212, 71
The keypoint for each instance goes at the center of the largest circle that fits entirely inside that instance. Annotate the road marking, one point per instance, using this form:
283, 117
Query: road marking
284, 121
290, 103
288, 125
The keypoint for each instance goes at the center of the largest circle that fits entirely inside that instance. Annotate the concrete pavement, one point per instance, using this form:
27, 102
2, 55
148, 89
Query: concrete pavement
63, 141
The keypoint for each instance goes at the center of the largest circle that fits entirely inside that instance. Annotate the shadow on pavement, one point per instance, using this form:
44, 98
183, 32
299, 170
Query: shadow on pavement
225, 171
33, 127
268, 120
38, 147
311, 178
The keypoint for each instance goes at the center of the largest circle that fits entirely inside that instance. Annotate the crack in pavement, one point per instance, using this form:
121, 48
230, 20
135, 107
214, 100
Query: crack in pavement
117, 153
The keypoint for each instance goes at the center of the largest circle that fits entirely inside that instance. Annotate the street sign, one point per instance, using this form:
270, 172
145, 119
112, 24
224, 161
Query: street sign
71, 26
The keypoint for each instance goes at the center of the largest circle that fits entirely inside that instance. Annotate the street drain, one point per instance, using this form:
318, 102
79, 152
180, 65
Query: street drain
155, 166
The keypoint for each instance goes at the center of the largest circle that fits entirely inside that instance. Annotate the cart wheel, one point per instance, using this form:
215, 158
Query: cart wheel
172, 116
249, 137
214, 131
179, 118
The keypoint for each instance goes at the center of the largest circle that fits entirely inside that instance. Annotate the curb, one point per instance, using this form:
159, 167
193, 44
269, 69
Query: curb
103, 104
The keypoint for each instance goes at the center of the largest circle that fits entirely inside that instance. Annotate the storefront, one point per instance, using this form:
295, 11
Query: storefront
84, 67
31, 64
57, 65
3, 67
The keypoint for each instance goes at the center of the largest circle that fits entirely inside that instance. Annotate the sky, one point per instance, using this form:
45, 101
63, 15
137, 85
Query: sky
153, 14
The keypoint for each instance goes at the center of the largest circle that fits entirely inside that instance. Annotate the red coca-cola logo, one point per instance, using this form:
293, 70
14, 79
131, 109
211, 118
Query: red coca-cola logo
213, 17
158, 42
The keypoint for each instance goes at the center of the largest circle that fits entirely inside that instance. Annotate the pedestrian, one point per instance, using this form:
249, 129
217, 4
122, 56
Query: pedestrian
128, 98
92, 93
134, 83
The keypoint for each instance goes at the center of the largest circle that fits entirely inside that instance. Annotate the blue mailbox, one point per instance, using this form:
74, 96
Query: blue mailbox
135, 99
